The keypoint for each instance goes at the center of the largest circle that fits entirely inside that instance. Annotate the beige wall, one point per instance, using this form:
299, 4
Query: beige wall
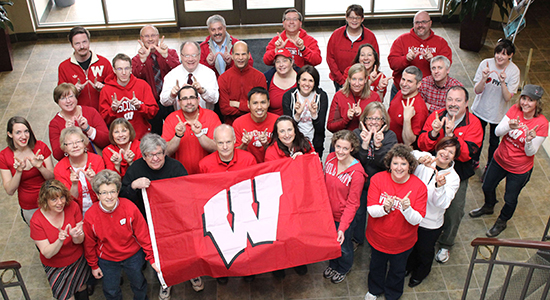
20, 16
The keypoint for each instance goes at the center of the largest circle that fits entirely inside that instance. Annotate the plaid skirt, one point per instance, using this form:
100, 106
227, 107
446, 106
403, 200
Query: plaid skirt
66, 281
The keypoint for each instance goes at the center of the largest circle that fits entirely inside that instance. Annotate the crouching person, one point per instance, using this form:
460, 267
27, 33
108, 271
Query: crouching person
116, 238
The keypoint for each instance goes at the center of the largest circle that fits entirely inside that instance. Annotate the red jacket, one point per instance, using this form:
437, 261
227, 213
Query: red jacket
344, 190
213, 164
338, 113
205, 50
341, 51
400, 47
234, 86
57, 124
310, 56
70, 71
145, 70
62, 172
468, 132
137, 117
116, 235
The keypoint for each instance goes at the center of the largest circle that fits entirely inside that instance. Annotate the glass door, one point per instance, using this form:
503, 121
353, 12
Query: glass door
235, 12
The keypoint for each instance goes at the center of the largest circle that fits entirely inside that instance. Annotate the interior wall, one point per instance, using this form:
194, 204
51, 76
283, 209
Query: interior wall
20, 16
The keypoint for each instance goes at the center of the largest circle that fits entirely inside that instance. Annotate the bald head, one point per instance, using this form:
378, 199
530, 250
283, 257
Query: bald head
240, 54
224, 137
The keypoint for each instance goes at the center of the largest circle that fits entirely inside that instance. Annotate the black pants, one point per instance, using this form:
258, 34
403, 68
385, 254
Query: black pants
494, 140
422, 256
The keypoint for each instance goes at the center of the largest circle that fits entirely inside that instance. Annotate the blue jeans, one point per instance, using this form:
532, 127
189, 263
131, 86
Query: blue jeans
361, 219
394, 91
132, 267
514, 184
343, 263
391, 282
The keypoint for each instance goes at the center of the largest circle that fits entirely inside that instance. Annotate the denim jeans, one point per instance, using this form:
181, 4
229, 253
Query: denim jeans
132, 267
514, 184
343, 263
494, 140
360, 219
383, 281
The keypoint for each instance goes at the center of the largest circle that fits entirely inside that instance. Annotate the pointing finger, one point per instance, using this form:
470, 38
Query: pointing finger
112, 151
179, 120
37, 152
436, 115
141, 43
445, 174
162, 40
177, 83
194, 79
407, 196
383, 128
133, 94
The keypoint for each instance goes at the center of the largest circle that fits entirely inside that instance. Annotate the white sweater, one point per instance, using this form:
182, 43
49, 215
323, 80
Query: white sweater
439, 198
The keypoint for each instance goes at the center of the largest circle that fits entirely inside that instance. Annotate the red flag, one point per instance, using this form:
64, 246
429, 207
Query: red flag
268, 217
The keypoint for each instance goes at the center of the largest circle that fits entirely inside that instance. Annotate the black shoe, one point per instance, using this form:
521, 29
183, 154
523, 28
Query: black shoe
222, 280
484, 210
279, 274
83, 295
499, 226
301, 270
414, 282
249, 278
90, 289
407, 273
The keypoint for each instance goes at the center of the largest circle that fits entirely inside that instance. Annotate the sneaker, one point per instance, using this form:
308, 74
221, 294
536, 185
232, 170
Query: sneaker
337, 277
197, 284
370, 296
442, 255
164, 293
329, 272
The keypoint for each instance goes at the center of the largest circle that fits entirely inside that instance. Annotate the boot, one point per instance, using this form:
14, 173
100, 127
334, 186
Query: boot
499, 226
484, 210
83, 295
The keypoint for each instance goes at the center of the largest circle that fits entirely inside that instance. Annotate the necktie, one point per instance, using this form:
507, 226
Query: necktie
158, 76
190, 79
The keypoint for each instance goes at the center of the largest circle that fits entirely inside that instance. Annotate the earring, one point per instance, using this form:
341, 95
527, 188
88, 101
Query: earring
66, 154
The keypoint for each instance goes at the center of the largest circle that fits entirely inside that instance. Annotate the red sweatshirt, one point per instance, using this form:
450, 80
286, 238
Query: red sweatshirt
395, 111
392, 233
145, 70
137, 117
311, 55
70, 71
234, 86
116, 235
341, 51
400, 47
344, 190
338, 113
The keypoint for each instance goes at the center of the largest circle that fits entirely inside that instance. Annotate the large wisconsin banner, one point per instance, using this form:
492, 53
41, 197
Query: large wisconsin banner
271, 216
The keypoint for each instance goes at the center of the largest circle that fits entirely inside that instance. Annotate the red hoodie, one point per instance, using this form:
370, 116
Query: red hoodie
400, 47
137, 117
344, 190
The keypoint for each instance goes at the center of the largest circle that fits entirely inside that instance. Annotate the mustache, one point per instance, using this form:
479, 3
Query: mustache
454, 107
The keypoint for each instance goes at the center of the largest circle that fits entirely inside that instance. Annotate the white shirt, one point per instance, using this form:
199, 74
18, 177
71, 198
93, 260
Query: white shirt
204, 75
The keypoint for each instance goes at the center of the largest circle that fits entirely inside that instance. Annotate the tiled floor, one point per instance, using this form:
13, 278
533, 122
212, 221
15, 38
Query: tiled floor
27, 91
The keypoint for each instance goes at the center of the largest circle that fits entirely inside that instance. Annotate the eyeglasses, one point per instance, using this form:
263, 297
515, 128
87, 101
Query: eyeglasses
127, 69
151, 155
292, 19
105, 193
355, 18
67, 97
189, 98
190, 55
75, 143
377, 119
422, 22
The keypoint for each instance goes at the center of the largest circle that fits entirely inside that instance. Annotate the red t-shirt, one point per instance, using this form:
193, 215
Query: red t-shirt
246, 123
190, 151
213, 164
31, 180
107, 154
392, 233
396, 115
510, 153
276, 98
42, 229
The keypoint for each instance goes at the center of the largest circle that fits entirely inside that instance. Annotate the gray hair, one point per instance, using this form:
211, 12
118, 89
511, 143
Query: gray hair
292, 10
190, 42
215, 19
72, 130
147, 26
150, 142
442, 58
414, 71
107, 177
224, 127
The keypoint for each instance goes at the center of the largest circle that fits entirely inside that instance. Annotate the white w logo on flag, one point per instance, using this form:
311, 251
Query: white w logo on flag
259, 228
97, 70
